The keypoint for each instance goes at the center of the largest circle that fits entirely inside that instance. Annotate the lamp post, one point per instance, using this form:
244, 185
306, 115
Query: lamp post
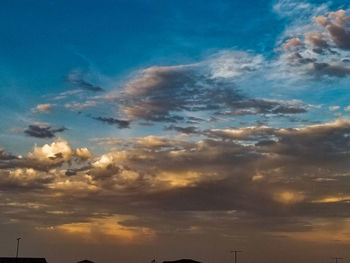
336, 259
18, 239
235, 254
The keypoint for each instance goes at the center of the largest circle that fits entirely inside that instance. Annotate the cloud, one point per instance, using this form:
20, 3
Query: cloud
266, 178
6, 156
57, 153
247, 133
291, 8
65, 94
292, 44
44, 108
317, 46
228, 64
122, 124
107, 141
42, 131
107, 227
336, 25
333, 70
317, 40
230, 179
78, 106
157, 142
38, 170
165, 94
186, 130
76, 79
334, 108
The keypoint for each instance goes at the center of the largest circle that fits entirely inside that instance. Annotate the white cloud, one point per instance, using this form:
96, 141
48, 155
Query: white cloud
44, 108
232, 64
334, 108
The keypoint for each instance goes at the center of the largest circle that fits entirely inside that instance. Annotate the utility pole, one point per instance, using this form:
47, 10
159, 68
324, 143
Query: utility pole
235, 252
336, 259
18, 239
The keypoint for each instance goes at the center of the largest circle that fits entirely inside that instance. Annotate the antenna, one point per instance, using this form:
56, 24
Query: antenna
18, 239
336, 259
235, 252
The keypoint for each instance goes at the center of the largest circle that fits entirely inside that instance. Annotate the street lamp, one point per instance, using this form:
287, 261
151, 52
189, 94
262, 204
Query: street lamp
18, 239
235, 254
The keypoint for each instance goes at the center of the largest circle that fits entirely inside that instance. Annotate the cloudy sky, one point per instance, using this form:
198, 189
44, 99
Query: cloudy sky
133, 130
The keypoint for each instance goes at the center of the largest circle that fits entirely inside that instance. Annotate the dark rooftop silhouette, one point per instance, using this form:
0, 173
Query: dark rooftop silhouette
182, 261
22, 260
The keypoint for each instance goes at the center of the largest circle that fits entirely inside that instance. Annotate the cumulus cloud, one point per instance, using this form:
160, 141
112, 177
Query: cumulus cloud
336, 25
243, 175
56, 153
318, 46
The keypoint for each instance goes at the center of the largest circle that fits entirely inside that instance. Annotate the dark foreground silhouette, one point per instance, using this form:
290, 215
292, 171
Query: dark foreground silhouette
22, 260
182, 261
43, 260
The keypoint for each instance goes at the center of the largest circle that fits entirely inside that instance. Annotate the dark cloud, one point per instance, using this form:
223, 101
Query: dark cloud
163, 93
267, 179
299, 59
186, 130
76, 79
194, 120
42, 131
122, 124
330, 69
4, 156
74, 171
8, 160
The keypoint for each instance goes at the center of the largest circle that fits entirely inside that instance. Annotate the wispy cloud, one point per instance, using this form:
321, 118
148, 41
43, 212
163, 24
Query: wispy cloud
75, 78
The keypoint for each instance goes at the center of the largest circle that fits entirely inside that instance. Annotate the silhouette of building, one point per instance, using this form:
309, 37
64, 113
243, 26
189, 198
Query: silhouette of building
182, 261
22, 260
85, 261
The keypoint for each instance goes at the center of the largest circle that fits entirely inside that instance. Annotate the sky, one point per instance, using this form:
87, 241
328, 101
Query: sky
161, 129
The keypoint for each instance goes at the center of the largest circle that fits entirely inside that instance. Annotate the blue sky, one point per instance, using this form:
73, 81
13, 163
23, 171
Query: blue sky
164, 125
47, 40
